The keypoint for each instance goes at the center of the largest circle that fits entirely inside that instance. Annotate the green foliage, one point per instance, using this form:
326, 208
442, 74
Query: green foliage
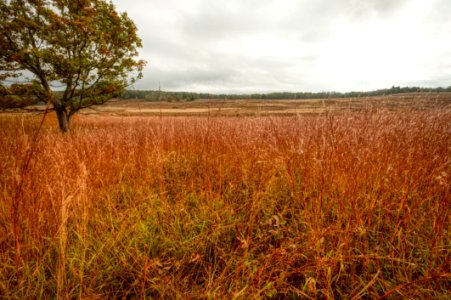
20, 95
160, 95
84, 46
187, 96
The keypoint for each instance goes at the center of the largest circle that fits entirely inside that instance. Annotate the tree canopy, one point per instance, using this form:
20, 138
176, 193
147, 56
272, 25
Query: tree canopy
71, 53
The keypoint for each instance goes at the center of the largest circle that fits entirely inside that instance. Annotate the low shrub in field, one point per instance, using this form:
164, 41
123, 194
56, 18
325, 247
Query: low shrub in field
332, 206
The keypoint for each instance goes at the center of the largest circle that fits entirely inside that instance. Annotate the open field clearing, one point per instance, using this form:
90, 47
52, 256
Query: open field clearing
344, 205
419, 101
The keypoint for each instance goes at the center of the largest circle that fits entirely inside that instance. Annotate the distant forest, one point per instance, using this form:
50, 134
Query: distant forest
152, 95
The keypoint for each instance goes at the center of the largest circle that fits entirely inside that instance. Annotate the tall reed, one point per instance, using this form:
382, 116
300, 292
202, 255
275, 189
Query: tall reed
331, 206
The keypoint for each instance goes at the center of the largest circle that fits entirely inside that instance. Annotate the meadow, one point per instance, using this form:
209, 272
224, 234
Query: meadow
340, 204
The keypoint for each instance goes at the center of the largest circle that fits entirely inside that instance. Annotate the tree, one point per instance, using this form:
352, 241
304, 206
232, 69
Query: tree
71, 53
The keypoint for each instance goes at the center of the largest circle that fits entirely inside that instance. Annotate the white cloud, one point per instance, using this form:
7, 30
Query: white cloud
250, 45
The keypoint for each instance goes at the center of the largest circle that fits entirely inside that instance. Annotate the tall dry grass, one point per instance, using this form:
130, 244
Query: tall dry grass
332, 206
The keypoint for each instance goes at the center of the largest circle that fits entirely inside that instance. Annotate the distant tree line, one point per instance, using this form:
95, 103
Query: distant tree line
152, 95
160, 95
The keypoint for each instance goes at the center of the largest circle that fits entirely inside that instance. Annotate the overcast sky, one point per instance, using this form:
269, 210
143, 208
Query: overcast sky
244, 46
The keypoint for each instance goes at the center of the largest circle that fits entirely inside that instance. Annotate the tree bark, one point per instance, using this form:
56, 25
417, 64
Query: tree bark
63, 119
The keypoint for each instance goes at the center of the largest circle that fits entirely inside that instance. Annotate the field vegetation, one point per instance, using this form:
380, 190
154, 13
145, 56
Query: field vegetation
343, 205
256, 107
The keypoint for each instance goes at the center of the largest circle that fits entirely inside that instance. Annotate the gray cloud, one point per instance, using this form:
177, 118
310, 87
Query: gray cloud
379, 7
273, 45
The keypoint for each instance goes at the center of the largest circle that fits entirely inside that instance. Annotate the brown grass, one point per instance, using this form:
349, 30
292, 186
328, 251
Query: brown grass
354, 205
256, 107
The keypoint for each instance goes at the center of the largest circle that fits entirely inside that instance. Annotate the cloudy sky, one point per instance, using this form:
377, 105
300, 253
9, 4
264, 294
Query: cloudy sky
244, 46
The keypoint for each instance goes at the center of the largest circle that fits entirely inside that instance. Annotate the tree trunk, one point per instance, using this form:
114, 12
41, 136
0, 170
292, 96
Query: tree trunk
63, 119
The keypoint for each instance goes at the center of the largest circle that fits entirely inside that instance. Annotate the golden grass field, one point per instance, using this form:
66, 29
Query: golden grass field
225, 107
337, 199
